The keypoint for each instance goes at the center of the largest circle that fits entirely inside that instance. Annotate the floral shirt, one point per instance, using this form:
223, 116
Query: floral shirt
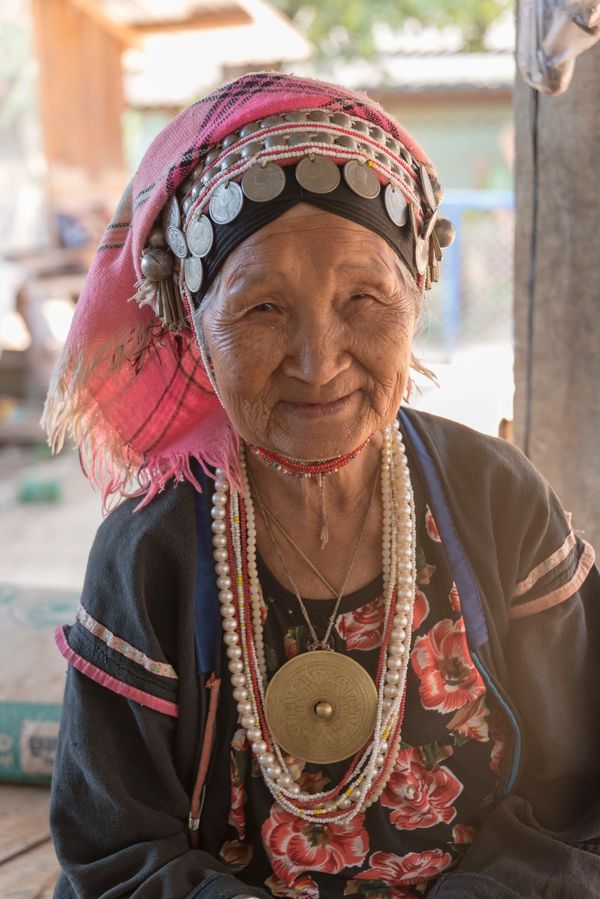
445, 776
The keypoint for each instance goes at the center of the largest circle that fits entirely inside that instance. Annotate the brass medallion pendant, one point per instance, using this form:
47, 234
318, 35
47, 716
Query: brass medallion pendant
321, 707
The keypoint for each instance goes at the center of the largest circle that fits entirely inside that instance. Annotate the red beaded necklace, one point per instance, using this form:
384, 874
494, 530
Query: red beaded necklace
297, 468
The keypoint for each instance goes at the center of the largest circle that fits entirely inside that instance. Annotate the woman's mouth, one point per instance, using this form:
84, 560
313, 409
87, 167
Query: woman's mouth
315, 410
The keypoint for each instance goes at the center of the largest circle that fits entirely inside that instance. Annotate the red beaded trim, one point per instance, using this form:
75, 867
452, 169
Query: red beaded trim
296, 468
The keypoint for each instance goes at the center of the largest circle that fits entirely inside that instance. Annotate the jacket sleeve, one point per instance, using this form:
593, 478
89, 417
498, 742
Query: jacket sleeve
121, 783
543, 839
540, 593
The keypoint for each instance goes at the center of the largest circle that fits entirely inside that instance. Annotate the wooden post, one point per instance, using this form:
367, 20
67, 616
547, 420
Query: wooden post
80, 85
557, 288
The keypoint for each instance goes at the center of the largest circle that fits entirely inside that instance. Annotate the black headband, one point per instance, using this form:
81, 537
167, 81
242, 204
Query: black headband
371, 213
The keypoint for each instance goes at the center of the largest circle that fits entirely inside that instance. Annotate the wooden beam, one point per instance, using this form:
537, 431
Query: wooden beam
226, 17
557, 272
122, 33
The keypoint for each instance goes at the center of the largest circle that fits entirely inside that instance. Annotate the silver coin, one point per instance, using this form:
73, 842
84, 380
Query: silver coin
209, 174
230, 139
186, 205
171, 214
421, 255
263, 184
211, 156
396, 205
176, 241
319, 175
249, 129
427, 188
252, 148
226, 203
200, 236
193, 272
362, 179
228, 161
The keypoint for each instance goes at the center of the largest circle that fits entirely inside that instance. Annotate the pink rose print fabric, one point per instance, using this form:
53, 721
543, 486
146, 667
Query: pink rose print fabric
442, 662
431, 526
418, 795
363, 628
409, 869
295, 846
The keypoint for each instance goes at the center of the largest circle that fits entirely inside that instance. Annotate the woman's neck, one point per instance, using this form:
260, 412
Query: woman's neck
296, 504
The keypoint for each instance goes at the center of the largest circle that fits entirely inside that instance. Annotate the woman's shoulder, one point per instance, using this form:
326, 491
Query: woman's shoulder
139, 588
480, 465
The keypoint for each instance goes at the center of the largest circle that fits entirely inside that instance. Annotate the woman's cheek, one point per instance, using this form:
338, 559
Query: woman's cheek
244, 357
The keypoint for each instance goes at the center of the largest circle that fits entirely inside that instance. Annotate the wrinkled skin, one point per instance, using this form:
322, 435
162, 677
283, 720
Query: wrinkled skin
313, 309
310, 310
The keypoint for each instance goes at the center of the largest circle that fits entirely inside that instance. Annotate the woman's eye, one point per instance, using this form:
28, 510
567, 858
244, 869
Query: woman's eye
263, 307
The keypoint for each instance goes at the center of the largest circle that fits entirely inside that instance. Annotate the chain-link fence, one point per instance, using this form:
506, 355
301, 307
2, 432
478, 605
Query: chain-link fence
472, 304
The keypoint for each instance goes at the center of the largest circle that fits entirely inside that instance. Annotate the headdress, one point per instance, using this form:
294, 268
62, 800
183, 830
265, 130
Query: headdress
130, 385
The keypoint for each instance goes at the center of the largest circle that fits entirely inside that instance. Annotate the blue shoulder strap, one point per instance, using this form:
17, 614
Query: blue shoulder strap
466, 583
207, 619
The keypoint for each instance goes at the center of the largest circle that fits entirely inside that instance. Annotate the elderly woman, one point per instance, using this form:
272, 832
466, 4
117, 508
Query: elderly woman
338, 648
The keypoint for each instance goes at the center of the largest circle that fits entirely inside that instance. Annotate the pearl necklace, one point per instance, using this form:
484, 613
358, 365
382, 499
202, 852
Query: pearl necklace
234, 539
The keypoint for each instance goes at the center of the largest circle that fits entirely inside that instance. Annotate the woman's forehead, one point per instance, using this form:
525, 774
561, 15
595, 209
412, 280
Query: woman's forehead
307, 233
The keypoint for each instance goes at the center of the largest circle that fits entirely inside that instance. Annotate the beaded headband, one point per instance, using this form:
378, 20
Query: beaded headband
328, 149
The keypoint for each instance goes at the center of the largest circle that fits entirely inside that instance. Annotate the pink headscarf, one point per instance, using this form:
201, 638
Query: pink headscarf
134, 396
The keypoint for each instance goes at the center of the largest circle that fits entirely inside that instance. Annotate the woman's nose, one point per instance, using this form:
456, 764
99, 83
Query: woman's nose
316, 354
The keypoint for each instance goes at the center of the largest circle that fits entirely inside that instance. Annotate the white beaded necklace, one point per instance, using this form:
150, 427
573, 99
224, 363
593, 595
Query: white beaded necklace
242, 609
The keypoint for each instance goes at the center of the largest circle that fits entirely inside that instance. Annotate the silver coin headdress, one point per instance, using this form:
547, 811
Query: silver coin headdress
328, 151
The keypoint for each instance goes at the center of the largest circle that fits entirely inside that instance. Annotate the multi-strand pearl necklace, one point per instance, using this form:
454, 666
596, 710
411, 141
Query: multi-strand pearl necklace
234, 538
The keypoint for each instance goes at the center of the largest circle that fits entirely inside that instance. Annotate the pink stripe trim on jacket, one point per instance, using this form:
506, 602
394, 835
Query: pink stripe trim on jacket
546, 566
557, 596
111, 683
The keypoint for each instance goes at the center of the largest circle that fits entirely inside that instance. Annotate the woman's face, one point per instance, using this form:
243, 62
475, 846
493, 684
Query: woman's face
309, 330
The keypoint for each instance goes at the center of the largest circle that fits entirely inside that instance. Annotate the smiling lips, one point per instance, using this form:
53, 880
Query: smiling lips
311, 410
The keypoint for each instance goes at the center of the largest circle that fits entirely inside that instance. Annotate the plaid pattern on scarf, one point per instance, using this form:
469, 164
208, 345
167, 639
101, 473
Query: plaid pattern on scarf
134, 397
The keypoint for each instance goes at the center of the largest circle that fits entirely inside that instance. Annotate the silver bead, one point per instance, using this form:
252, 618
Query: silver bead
250, 128
230, 139
157, 264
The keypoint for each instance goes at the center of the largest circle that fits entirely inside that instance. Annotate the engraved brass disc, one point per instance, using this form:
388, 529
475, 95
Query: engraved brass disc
321, 707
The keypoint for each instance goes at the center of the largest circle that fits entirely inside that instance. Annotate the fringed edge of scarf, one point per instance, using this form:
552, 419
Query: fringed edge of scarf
112, 466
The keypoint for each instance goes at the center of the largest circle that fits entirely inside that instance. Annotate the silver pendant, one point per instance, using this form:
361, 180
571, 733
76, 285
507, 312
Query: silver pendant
193, 271
396, 205
318, 175
176, 241
200, 236
428, 188
362, 179
226, 203
263, 184
171, 214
